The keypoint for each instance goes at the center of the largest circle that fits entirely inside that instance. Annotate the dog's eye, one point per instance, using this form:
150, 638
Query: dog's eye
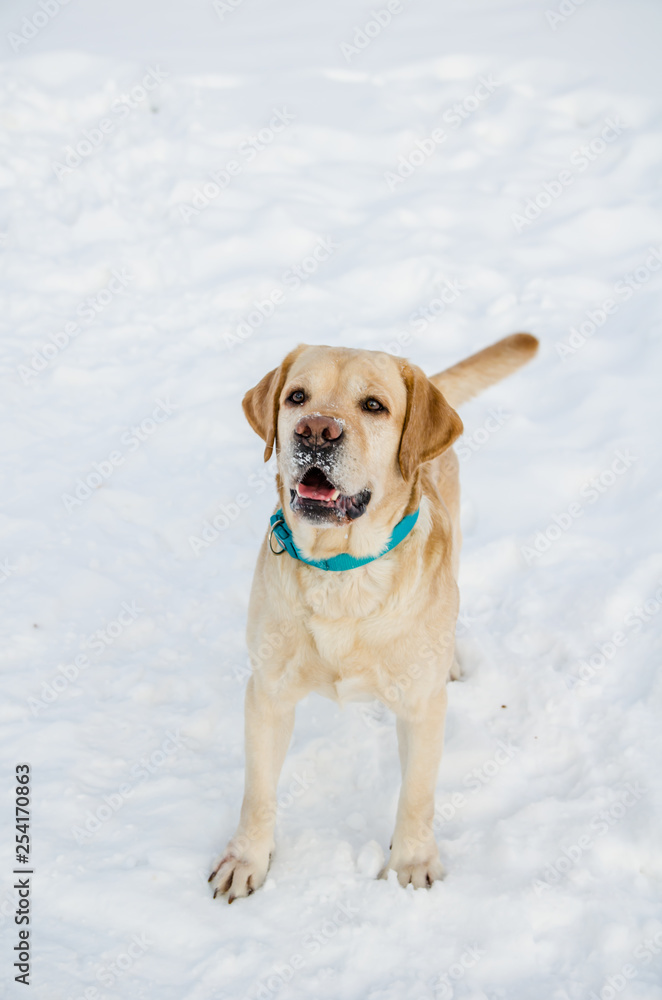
297, 397
373, 405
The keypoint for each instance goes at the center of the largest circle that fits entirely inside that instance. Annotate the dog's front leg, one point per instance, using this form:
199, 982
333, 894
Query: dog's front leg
269, 723
414, 852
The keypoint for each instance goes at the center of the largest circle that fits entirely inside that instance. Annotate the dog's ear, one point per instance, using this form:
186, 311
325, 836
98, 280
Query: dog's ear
262, 401
431, 424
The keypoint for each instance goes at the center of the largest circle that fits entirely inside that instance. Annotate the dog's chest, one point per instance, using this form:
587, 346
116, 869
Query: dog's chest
356, 629
357, 660
350, 634
352, 595
347, 669
339, 642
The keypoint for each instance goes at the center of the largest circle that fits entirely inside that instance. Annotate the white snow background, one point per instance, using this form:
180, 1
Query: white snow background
551, 845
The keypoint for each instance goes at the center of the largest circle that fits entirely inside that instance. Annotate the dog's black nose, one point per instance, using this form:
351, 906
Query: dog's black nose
318, 432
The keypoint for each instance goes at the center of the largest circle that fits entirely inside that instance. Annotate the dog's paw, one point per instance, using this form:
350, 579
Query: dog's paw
421, 874
239, 875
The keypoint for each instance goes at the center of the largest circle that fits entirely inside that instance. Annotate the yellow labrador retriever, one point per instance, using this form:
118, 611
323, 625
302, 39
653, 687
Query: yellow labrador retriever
355, 592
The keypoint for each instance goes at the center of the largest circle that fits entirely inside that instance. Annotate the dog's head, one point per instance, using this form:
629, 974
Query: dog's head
350, 427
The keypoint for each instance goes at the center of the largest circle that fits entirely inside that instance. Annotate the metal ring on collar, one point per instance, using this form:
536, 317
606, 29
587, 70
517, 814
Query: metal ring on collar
270, 535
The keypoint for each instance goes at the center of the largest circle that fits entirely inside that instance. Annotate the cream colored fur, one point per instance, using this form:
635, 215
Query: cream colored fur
384, 630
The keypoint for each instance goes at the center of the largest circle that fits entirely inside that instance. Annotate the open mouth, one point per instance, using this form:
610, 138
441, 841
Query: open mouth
316, 497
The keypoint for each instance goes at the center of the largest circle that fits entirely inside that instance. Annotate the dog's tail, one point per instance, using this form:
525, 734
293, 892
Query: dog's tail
465, 380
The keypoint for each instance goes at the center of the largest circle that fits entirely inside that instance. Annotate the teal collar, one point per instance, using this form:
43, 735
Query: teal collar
340, 562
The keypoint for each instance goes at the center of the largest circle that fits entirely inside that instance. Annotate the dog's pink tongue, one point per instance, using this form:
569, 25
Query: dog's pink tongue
316, 492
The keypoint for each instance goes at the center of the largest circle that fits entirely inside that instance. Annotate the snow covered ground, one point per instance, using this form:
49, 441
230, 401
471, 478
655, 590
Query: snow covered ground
189, 190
